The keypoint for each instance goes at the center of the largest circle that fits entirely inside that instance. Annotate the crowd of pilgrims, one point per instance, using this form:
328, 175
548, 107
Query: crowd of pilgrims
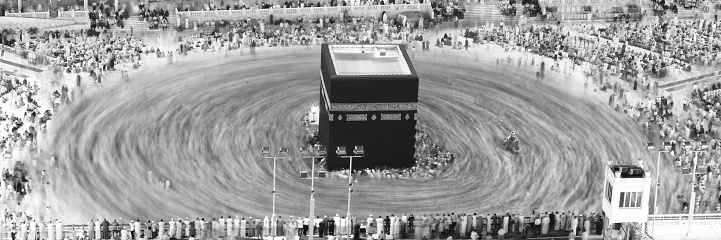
71, 52
464, 226
671, 45
102, 16
158, 18
76, 51
695, 120
680, 44
21, 120
557, 43
691, 42
302, 31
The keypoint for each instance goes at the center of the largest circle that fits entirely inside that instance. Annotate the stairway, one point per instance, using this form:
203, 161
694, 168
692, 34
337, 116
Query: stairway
138, 25
688, 14
478, 14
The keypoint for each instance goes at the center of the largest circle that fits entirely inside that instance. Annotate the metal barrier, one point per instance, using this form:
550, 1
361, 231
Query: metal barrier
684, 217
46, 58
81, 17
46, 14
666, 220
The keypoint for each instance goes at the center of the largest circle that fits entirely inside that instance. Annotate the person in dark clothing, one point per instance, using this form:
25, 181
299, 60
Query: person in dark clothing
410, 223
356, 231
116, 228
192, 228
321, 227
105, 229
331, 226
552, 224
387, 224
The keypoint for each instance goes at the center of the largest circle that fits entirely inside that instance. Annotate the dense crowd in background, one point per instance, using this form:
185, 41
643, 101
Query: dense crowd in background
24, 113
73, 52
664, 47
689, 41
217, 35
22, 118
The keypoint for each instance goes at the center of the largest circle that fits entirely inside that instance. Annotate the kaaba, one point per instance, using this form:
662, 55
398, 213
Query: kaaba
369, 97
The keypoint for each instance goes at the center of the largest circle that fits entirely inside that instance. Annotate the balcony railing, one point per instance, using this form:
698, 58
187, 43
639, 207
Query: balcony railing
684, 217
61, 15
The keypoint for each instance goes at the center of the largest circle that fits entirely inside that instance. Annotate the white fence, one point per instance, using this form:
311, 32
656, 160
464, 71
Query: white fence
29, 15
61, 15
80, 17
712, 219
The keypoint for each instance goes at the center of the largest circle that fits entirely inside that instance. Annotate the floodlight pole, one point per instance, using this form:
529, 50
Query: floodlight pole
266, 151
692, 204
273, 188
350, 183
692, 207
359, 153
665, 148
655, 195
311, 227
319, 154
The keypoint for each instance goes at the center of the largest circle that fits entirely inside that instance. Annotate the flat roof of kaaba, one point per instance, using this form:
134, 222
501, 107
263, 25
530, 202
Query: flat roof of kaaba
368, 60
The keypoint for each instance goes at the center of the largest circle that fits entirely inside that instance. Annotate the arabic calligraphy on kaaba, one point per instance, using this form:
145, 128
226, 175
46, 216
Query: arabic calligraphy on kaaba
373, 107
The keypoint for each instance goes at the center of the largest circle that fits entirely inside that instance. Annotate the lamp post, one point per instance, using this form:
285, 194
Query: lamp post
320, 152
703, 145
666, 148
342, 153
281, 154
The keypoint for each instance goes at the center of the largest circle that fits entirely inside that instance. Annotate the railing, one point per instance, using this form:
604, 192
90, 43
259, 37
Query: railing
593, 16
583, 2
73, 14
78, 16
28, 14
712, 219
18, 51
684, 217
307, 10
46, 14
677, 85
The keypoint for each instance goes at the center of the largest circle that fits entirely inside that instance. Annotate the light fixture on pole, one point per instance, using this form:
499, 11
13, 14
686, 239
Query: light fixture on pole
652, 148
342, 153
320, 152
703, 146
267, 155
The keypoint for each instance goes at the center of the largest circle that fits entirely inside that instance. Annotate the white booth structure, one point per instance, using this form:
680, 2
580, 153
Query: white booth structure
626, 193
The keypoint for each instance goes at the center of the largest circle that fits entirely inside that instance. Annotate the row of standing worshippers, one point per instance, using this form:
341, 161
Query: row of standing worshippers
200, 228
28, 230
428, 226
180, 229
463, 225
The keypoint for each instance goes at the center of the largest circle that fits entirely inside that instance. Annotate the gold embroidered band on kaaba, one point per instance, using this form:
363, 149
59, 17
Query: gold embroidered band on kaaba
367, 107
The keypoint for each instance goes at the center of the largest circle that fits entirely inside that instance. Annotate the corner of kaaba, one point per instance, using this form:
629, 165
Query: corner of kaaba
369, 97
